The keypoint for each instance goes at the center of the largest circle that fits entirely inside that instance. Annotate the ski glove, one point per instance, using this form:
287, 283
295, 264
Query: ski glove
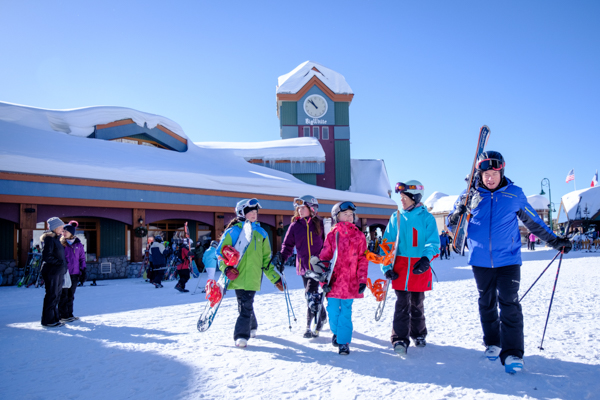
460, 210
326, 288
361, 288
231, 273
277, 261
391, 275
421, 266
563, 244
279, 285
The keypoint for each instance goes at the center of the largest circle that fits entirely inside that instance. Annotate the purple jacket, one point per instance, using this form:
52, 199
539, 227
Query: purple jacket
304, 237
75, 256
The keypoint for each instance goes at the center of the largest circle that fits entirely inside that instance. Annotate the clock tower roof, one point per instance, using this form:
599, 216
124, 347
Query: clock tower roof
311, 73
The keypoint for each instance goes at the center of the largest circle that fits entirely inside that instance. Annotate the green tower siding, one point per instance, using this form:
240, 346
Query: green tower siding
7, 244
112, 238
342, 113
288, 114
311, 179
342, 164
192, 229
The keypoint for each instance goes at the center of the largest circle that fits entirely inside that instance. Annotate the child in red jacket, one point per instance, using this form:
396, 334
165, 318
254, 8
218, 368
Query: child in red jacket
349, 278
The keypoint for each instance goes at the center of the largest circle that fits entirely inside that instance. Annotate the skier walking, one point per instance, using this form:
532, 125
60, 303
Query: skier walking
444, 246
306, 235
532, 239
53, 271
415, 230
183, 266
75, 257
252, 244
494, 243
349, 278
158, 260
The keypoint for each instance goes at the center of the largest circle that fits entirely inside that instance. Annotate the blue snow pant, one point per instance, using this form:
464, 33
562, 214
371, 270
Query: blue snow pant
500, 286
340, 318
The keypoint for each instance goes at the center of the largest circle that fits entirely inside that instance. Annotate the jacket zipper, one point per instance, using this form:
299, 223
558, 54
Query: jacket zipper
491, 208
308, 241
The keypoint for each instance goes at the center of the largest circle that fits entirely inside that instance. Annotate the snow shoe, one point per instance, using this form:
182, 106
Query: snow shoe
334, 341
513, 364
307, 334
53, 325
420, 341
344, 349
492, 352
253, 333
177, 287
400, 348
314, 333
241, 342
185, 291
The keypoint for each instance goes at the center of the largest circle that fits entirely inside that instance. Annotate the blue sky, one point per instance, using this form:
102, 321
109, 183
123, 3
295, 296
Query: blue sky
426, 75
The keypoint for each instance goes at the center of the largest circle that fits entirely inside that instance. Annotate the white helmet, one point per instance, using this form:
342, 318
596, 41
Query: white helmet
245, 206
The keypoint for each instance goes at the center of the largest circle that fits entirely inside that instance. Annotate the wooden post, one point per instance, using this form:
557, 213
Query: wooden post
137, 242
278, 239
27, 223
219, 225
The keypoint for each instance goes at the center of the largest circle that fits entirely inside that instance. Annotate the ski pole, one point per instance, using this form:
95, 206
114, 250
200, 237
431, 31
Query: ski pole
288, 299
198, 283
522, 297
551, 299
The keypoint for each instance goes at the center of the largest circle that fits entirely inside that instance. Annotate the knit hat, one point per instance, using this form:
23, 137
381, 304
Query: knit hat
70, 228
54, 223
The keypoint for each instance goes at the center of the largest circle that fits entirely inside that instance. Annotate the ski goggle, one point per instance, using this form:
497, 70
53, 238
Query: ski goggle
490, 163
299, 202
403, 187
347, 205
251, 203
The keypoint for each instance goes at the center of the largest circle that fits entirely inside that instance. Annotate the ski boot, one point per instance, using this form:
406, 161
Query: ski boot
513, 364
492, 352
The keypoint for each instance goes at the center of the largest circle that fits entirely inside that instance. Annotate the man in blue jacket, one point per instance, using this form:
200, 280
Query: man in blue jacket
444, 246
494, 243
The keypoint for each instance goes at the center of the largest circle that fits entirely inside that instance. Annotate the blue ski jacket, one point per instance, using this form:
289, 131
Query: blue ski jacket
493, 233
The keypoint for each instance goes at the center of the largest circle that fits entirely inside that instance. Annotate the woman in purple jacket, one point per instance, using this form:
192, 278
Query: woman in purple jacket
306, 233
75, 256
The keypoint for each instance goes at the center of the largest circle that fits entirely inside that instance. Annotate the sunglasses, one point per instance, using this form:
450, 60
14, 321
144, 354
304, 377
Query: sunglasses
403, 187
490, 163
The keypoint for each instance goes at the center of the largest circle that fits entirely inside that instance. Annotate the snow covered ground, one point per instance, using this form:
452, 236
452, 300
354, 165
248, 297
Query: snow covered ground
137, 342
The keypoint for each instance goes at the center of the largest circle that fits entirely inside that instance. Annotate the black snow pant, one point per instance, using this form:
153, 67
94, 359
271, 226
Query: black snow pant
409, 317
312, 286
444, 252
246, 320
67, 297
184, 276
53, 282
501, 286
158, 274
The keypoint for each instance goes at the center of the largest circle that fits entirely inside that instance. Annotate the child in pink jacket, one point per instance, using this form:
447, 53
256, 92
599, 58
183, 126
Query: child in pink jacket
349, 278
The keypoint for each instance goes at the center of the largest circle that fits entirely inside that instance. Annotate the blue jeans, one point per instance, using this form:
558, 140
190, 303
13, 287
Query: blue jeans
340, 318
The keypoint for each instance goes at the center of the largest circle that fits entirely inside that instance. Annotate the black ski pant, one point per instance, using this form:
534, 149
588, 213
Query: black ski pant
67, 297
500, 286
184, 276
312, 286
53, 282
409, 317
158, 275
444, 252
246, 320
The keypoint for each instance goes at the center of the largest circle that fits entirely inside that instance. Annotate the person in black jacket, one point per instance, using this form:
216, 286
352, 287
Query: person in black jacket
53, 272
159, 262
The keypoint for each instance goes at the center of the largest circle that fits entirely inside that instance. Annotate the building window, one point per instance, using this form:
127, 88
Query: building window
138, 142
325, 133
306, 131
316, 132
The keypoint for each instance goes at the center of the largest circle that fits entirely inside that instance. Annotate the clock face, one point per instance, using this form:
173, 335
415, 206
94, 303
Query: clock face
315, 106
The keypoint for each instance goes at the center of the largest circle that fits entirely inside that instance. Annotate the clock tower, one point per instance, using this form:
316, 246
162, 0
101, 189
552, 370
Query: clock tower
314, 101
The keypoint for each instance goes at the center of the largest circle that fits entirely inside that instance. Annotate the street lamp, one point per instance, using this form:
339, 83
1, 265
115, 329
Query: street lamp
546, 182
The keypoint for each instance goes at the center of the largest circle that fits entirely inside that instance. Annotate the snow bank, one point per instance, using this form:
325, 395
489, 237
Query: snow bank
292, 82
369, 176
296, 149
80, 121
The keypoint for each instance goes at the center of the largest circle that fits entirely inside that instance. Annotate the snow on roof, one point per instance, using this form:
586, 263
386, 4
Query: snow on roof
538, 202
589, 197
369, 176
433, 198
295, 80
80, 121
296, 149
444, 204
30, 145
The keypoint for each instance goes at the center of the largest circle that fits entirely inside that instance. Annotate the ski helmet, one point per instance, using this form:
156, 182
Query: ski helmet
412, 189
491, 160
307, 200
158, 238
341, 207
245, 206
214, 244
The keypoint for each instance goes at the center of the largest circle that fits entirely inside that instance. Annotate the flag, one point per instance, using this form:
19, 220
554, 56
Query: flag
571, 176
595, 179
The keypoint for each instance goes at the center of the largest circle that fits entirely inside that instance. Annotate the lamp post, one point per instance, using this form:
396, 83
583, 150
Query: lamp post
546, 182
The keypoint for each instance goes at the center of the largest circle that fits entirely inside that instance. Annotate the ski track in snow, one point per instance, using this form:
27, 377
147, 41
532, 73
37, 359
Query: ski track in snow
137, 342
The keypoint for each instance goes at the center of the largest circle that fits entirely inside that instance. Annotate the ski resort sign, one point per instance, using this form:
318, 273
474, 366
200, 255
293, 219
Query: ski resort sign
315, 121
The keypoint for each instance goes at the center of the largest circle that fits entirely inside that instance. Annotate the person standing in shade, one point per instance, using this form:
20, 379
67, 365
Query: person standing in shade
494, 241
418, 244
75, 256
53, 272
158, 260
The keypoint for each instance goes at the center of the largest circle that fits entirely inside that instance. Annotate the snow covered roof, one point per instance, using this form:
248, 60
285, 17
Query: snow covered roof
444, 204
295, 80
369, 176
589, 197
80, 121
31, 145
538, 202
296, 149
433, 198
